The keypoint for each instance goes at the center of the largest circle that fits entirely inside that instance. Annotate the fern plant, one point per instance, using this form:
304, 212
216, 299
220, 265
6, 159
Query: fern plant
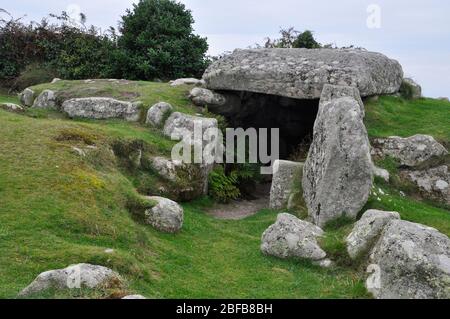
222, 187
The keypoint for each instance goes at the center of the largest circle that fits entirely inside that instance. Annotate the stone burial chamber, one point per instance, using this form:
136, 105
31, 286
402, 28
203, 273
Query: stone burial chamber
281, 88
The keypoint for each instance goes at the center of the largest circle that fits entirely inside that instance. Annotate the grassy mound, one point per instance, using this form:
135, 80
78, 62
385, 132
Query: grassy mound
58, 208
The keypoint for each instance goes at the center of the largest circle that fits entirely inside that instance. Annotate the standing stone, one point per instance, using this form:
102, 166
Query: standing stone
302, 73
74, 277
338, 173
410, 261
157, 113
367, 230
291, 237
101, 108
410, 84
45, 100
27, 97
284, 176
411, 151
167, 216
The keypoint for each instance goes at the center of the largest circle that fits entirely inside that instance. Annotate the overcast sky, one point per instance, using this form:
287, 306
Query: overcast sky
415, 32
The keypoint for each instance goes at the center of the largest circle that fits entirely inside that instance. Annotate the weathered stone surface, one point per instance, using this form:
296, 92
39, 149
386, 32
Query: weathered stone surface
180, 125
302, 73
134, 297
75, 276
291, 237
101, 108
27, 97
367, 230
410, 151
187, 81
11, 107
433, 182
338, 173
410, 261
191, 179
157, 113
205, 97
285, 173
55, 80
45, 100
382, 173
167, 216
416, 89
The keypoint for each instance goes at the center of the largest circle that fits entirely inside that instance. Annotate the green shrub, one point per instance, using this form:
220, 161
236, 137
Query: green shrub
158, 42
223, 187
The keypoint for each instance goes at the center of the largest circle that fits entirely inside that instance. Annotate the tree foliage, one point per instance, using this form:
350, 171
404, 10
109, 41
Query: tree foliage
291, 38
158, 42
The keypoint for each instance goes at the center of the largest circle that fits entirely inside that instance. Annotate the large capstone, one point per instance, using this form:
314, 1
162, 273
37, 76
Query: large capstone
302, 73
338, 173
410, 261
101, 108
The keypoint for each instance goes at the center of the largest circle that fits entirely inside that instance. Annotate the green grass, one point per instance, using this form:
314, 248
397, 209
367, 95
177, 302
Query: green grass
58, 209
392, 116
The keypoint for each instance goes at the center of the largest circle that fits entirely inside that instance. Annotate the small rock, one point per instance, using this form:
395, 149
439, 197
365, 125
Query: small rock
11, 107
205, 97
366, 231
167, 216
433, 182
284, 175
45, 100
79, 151
27, 97
187, 81
157, 113
134, 297
291, 237
55, 80
382, 173
109, 251
74, 277
411, 151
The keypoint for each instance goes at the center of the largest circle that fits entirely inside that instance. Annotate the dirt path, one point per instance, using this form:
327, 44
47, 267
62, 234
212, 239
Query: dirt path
241, 209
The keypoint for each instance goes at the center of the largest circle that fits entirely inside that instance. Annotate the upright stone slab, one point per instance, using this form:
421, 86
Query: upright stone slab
283, 180
338, 173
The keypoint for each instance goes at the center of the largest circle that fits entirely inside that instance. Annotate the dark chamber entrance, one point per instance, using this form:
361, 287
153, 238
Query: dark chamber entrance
295, 118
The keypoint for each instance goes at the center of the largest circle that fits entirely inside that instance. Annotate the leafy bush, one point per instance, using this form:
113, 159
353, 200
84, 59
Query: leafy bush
158, 42
223, 187
32, 75
291, 38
